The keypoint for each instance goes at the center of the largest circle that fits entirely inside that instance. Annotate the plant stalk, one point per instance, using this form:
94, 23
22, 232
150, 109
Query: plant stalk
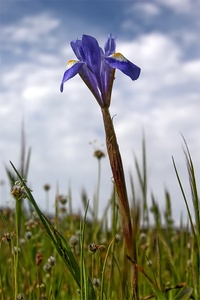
120, 186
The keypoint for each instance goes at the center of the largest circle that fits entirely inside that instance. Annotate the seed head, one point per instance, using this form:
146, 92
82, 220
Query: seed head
20, 296
62, 199
99, 154
117, 238
96, 282
18, 191
7, 237
47, 267
51, 260
28, 235
149, 263
95, 247
16, 249
47, 187
73, 241
39, 259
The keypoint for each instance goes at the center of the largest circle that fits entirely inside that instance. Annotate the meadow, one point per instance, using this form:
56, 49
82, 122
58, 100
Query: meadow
66, 256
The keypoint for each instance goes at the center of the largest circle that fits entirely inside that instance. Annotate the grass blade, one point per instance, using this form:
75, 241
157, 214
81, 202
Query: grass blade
196, 206
184, 293
60, 244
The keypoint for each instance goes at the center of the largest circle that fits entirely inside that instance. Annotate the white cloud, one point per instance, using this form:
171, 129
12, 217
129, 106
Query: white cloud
30, 29
164, 69
146, 8
180, 6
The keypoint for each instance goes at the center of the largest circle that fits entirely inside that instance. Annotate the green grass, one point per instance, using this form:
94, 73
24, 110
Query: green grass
67, 256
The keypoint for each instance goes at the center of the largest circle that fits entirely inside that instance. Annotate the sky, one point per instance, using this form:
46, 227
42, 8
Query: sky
64, 129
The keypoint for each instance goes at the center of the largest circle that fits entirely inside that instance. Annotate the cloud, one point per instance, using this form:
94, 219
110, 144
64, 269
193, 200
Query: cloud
163, 64
145, 8
30, 30
139, 13
180, 6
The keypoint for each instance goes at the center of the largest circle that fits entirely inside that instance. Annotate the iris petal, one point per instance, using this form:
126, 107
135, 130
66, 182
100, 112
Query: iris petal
107, 78
73, 67
91, 82
78, 50
110, 46
118, 61
92, 53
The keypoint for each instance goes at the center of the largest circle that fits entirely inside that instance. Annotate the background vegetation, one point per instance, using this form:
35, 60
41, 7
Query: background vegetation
69, 256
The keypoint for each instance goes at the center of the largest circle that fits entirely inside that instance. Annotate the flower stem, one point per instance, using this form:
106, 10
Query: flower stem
120, 186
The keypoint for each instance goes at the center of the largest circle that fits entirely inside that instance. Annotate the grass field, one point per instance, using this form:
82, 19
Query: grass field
68, 256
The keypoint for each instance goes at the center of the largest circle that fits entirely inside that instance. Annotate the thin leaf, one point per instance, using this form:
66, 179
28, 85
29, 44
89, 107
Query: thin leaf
184, 197
184, 294
90, 290
193, 186
83, 280
104, 267
60, 244
161, 295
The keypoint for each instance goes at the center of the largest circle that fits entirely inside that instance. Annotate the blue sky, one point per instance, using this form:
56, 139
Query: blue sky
162, 37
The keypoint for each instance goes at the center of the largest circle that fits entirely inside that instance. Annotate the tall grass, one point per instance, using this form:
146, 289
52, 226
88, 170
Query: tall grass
68, 256
195, 224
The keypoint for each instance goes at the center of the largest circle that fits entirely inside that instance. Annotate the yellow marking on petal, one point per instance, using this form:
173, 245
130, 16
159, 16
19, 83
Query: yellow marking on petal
119, 56
70, 63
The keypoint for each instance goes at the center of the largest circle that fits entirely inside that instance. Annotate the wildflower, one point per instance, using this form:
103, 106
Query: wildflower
96, 282
22, 241
40, 286
51, 260
62, 199
30, 224
97, 67
73, 241
74, 244
47, 267
39, 259
143, 236
47, 187
7, 237
16, 249
149, 263
117, 238
28, 235
18, 191
99, 154
50, 263
95, 247
20, 296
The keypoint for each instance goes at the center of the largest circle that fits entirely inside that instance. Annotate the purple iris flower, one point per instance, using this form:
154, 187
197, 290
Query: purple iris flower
97, 67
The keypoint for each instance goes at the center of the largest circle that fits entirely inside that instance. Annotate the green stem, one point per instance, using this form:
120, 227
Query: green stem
120, 186
104, 268
16, 253
96, 198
